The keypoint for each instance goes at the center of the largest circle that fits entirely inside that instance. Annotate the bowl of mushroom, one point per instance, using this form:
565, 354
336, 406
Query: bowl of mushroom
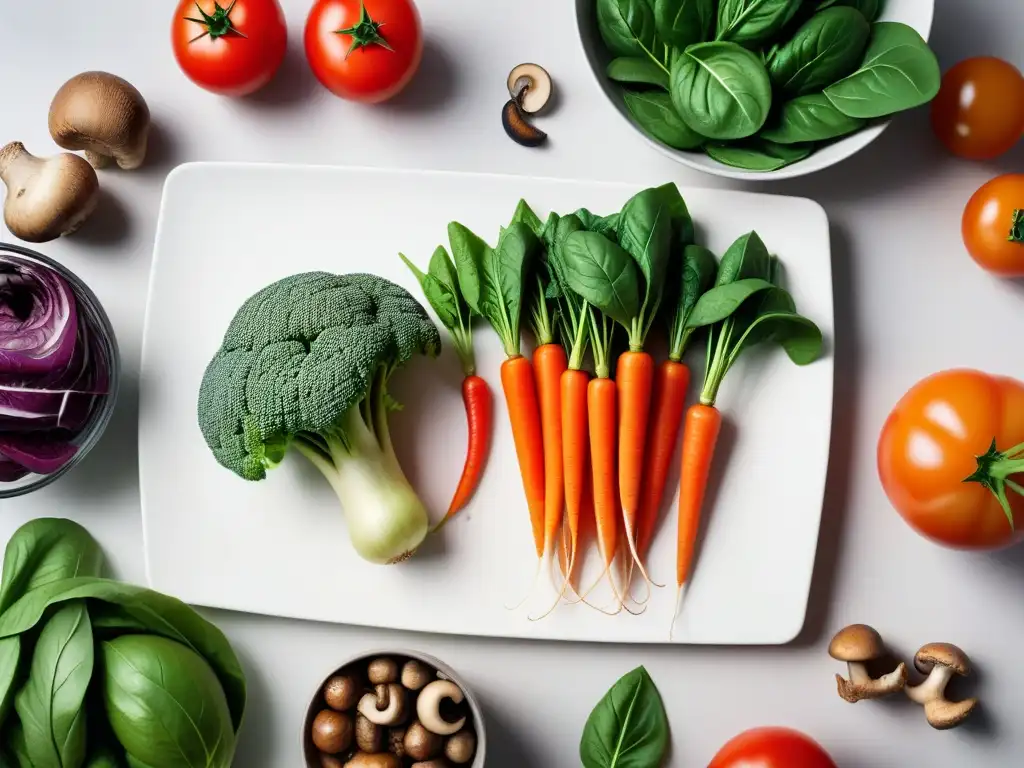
393, 709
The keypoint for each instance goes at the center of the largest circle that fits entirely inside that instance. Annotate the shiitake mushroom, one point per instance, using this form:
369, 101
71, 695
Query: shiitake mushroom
332, 731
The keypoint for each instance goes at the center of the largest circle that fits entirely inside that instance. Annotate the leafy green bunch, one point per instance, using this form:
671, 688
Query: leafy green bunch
761, 84
99, 674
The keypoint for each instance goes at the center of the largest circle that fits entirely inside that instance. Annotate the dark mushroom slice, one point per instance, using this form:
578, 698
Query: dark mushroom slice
530, 85
518, 129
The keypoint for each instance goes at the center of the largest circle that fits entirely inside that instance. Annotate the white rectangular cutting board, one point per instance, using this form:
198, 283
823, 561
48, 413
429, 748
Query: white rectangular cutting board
280, 546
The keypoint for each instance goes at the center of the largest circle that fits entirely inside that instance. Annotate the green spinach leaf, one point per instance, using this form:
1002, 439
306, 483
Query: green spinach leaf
752, 22
723, 301
637, 71
606, 225
827, 47
165, 704
645, 233
469, 252
772, 318
628, 727
502, 282
899, 72
627, 28
809, 118
442, 268
870, 9
697, 275
441, 296
163, 615
50, 704
746, 257
681, 23
603, 274
721, 90
655, 114
524, 214
43, 551
14, 738
10, 660
758, 154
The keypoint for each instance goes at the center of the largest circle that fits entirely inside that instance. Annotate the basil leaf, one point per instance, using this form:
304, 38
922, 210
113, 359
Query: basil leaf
827, 47
746, 257
627, 69
899, 72
645, 232
603, 274
758, 154
43, 551
684, 22
627, 28
656, 116
50, 704
443, 269
524, 215
628, 727
751, 22
469, 251
606, 225
163, 699
721, 90
723, 301
161, 614
809, 118
773, 319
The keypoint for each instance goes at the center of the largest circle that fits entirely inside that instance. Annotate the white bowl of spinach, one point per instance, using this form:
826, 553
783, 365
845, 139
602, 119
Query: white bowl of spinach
760, 89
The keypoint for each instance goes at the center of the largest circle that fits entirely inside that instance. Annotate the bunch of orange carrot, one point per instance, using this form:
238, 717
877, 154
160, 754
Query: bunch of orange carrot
590, 445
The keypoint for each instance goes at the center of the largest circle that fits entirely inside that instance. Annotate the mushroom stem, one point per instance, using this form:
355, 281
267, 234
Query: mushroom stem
934, 687
858, 673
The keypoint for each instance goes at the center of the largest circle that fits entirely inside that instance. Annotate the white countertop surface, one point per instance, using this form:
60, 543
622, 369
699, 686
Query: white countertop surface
908, 302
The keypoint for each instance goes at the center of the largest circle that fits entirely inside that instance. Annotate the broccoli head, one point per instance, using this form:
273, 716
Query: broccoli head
305, 364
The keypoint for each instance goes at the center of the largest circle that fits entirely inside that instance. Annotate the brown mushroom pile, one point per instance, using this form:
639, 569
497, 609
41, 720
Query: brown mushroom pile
393, 713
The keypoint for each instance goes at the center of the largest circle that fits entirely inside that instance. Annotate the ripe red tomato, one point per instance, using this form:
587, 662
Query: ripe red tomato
979, 110
772, 748
993, 225
232, 49
364, 51
929, 445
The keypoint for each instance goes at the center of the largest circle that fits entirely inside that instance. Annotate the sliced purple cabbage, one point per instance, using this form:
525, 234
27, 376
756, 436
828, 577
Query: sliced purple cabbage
53, 368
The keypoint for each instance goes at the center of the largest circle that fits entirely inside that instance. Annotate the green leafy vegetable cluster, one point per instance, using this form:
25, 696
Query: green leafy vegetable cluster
760, 84
99, 674
305, 364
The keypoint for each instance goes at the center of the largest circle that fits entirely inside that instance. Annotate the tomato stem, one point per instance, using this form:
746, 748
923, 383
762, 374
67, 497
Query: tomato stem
216, 24
994, 470
1017, 227
364, 33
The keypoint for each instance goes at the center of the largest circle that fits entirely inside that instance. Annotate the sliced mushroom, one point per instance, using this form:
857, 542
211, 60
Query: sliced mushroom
416, 674
856, 645
530, 86
332, 731
385, 707
369, 736
517, 127
421, 744
428, 707
341, 692
46, 197
461, 747
941, 661
382, 671
380, 760
104, 115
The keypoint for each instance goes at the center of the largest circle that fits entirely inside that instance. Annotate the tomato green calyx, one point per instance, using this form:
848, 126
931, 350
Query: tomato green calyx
216, 24
994, 470
365, 32
1017, 227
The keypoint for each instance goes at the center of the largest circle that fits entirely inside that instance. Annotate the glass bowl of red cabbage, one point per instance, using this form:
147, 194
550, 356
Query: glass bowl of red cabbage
59, 370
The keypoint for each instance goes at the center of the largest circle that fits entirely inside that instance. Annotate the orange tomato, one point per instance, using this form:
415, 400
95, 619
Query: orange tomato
993, 225
979, 110
930, 445
772, 747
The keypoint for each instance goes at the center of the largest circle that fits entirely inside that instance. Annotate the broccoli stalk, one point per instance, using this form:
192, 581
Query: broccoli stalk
386, 519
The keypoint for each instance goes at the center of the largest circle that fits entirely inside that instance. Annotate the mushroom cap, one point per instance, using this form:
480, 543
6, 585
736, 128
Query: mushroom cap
537, 84
416, 674
381, 671
332, 731
943, 654
341, 692
942, 714
857, 643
